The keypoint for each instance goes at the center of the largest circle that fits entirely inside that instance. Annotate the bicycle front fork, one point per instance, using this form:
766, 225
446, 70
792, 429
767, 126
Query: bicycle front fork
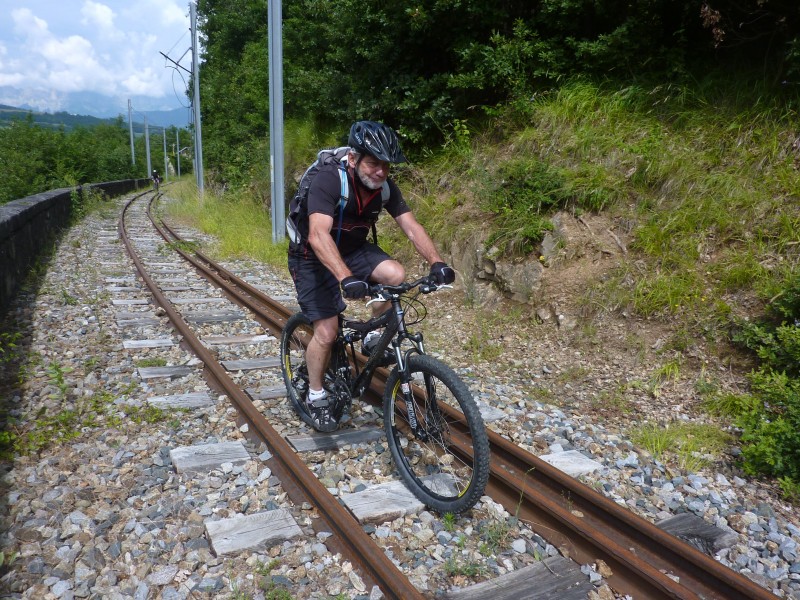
407, 387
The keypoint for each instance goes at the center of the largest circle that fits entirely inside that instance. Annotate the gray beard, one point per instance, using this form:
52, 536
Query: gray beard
371, 185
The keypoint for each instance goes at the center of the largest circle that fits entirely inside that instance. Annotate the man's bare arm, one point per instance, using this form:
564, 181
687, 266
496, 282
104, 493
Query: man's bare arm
319, 236
419, 237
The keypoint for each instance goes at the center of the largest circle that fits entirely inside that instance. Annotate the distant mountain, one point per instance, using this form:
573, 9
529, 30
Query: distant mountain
155, 119
161, 112
179, 117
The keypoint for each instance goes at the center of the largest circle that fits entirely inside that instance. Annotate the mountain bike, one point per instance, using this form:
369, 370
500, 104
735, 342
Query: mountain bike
434, 429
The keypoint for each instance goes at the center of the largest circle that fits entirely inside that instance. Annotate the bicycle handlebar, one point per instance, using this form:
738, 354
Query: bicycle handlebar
381, 292
425, 284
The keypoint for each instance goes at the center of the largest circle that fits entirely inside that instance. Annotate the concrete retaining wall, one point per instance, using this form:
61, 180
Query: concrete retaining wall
29, 224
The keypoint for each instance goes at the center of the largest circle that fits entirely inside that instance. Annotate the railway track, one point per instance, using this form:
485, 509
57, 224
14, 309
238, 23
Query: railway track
310, 489
643, 560
300, 482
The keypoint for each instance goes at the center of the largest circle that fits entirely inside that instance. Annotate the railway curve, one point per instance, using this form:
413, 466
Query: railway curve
520, 509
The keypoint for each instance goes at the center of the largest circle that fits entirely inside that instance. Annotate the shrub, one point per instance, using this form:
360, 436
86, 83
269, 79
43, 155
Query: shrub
771, 420
524, 195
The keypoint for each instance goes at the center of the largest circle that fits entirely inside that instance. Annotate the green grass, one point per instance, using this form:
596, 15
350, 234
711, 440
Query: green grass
453, 567
692, 445
480, 346
495, 537
449, 522
151, 362
614, 401
703, 176
238, 221
10, 346
707, 183
47, 427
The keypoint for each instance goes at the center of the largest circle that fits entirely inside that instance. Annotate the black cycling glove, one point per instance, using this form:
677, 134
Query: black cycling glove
442, 273
353, 288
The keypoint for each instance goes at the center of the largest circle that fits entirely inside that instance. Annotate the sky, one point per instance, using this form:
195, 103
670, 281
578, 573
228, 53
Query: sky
51, 50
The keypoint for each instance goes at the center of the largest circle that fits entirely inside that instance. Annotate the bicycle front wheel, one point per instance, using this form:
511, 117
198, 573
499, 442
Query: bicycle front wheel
446, 464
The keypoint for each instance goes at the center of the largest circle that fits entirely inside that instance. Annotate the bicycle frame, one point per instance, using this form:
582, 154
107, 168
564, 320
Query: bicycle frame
395, 333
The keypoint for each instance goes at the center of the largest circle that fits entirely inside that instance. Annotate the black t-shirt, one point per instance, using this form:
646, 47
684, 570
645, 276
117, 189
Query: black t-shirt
361, 211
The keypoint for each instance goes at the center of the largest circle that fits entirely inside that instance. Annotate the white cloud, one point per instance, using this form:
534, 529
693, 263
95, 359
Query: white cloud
169, 13
28, 24
173, 14
74, 51
140, 83
97, 14
105, 46
11, 79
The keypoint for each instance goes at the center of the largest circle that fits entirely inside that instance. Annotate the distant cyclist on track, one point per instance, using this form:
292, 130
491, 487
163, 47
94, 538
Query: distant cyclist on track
330, 256
156, 179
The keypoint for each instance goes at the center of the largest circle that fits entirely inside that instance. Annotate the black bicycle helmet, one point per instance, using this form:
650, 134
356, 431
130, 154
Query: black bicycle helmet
377, 139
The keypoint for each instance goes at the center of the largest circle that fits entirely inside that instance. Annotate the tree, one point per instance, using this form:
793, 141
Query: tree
422, 65
35, 159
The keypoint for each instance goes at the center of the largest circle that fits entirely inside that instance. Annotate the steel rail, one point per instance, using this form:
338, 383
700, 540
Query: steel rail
359, 547
646, 562
271, 314
644, 559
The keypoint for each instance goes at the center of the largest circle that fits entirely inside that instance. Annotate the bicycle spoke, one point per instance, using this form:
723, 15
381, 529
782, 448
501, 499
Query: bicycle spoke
438, 468
296, 334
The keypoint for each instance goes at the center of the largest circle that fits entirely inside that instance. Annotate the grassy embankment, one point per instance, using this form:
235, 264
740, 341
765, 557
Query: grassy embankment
706, 176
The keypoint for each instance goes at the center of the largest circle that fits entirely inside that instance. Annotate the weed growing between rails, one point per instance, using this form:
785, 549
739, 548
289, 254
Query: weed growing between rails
238, 221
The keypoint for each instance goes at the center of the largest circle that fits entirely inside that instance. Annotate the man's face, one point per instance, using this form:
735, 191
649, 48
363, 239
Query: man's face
371, 171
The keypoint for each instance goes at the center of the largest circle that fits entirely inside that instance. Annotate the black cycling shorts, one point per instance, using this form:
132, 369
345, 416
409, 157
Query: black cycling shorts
318, 292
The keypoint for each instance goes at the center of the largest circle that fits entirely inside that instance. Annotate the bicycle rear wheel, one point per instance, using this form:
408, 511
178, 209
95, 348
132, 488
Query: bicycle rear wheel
296, 334
447, 466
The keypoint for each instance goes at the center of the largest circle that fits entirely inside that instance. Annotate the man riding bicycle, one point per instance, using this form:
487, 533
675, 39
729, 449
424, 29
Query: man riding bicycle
332, 257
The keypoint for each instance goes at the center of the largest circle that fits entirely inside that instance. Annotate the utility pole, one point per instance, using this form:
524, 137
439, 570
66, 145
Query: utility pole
130, 129
178, 148
147, 146
180, 151
276, 118
198, 135
164, 136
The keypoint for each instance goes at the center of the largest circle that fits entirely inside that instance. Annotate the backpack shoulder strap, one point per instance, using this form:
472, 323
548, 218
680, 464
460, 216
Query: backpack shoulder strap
344, 194
385, 193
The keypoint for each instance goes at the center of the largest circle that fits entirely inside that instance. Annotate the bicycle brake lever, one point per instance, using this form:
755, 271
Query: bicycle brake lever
432, 287
377, 299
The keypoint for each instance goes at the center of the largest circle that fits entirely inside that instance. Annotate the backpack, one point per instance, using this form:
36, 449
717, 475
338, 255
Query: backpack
298, 208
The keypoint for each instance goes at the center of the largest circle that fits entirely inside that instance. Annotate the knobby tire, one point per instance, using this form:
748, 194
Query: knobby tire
293, 362
437, 473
